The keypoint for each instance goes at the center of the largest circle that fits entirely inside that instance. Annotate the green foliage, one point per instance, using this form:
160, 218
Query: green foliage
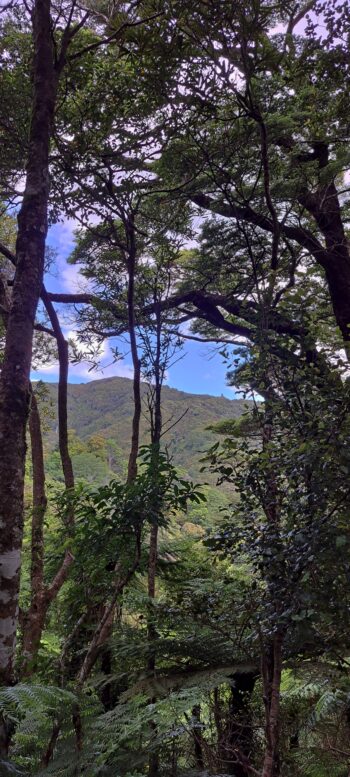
228, 110
100, 416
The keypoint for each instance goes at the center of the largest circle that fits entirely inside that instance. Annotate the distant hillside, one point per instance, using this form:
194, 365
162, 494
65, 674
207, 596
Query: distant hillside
105, 407
100, 416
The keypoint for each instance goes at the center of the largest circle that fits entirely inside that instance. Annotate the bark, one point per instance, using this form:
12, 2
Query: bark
156, 430
272, 704
34, 618
14, 383
333, 257
39, 497
153, 758
271, 658
218, 722
135, 436
33, 621
63, 358
48, 754
103, 629
4, 737
197, 737
71, 639
324, 206
110, 691
41, 597
239, 738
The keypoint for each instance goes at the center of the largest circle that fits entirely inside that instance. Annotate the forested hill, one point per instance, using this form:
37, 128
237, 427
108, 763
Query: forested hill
100, 412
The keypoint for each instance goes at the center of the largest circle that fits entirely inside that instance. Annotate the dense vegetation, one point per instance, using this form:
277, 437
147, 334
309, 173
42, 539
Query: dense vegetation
99, 421
151, 624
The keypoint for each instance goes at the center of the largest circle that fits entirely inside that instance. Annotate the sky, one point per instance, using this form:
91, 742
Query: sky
198, 368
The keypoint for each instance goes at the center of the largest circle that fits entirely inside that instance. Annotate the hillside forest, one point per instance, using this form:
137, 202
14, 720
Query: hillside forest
175, 569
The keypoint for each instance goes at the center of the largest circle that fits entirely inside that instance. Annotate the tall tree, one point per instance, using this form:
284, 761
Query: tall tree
14, 385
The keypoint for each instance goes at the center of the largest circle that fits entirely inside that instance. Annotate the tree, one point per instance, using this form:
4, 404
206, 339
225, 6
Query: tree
27, 285
52, 43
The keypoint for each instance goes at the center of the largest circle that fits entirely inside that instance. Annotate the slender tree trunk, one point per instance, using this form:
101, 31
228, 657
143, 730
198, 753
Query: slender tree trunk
239, 738
271, 660
156, 430
34, 618
272, 686
104, 627
197, 737
219, 728
49, 751
135, 436
63, 358
39, 497
14, 383
33, 621
4, 737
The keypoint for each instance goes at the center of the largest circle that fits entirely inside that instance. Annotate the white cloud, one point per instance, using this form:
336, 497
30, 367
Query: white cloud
73, 281
107, 367
61, 238
64, 234
84, 372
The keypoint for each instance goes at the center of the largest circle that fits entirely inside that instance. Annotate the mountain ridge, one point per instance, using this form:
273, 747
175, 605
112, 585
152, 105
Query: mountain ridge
99, 419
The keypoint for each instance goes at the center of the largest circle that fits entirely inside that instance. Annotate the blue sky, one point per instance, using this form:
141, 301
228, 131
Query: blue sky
200, 370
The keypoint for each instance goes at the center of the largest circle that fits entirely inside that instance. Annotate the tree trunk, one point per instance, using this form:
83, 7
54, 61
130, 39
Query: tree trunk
153, 762
219, 728
14, 383
103, 628
135, 435
63, 358
34, 618
272, 672
197, 737
325, 208
239, 737
271, 658
105, 625
34, 621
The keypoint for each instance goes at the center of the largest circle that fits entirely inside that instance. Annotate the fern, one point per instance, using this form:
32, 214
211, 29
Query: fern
33, 709
25, 697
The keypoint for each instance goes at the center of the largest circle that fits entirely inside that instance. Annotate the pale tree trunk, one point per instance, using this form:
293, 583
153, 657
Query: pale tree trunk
14, 383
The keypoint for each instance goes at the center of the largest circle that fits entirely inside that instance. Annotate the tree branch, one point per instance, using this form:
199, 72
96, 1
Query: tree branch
303, 237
